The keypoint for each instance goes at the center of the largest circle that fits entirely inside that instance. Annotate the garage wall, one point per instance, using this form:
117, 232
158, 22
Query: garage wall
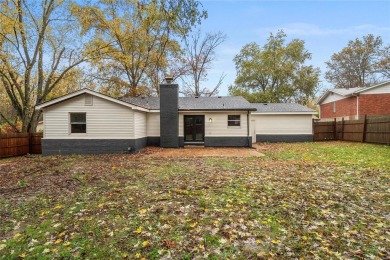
283, 124
283, 128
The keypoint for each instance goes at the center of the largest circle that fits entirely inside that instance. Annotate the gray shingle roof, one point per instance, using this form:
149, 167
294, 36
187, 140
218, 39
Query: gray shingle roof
147, 102
214, 103
192, 103
220, 103
344, 91
280, 107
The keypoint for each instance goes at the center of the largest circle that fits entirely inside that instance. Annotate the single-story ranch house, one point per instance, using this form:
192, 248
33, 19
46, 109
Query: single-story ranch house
351, 103
89, 122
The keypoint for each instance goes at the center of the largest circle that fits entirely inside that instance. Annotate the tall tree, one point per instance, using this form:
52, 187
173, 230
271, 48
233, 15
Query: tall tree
275, 72
199, 54
382, 65
137, 38
37, 52
354, 65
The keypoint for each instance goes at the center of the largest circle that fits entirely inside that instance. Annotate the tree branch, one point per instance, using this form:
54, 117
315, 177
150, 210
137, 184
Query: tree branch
9, 123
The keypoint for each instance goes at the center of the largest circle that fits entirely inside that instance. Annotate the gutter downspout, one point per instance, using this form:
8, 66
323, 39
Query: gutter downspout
357, 105
248, 122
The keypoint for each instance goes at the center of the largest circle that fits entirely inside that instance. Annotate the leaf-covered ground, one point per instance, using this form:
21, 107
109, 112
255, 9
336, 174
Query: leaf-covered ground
311, 200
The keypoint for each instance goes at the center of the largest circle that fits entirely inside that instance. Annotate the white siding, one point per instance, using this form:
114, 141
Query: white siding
153, 124
379, 90
283, 124
332, 97
105, 119
219, 125
139, 124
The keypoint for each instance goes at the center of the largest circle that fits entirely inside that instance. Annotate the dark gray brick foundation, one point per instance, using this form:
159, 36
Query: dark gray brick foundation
226, 141
140, 143
181, 141
284, 138
91, 146
153, 141
169, 116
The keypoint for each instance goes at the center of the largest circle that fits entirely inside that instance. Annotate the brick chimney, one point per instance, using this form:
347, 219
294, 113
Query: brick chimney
169, 114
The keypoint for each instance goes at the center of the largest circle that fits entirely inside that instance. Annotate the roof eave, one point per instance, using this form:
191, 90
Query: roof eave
285, 113
375, 86
88, 91
224, 109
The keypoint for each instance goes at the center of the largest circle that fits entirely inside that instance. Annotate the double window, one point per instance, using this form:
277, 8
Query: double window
78, 123
234, 120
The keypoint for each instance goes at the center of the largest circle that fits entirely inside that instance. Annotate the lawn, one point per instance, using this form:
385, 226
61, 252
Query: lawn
311, 200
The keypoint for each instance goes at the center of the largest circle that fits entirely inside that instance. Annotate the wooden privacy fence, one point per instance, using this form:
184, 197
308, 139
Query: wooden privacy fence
374, 129
20, 144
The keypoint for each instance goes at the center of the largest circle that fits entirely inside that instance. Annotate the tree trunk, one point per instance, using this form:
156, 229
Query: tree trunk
34, 121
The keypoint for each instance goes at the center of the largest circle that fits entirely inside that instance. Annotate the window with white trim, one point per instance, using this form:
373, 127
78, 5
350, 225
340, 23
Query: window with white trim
78, 123
234, 120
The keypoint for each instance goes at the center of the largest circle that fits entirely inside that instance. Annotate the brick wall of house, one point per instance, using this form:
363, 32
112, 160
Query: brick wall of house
344, 107
374, 104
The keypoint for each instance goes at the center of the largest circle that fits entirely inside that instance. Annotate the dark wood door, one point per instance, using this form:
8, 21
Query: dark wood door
193, 128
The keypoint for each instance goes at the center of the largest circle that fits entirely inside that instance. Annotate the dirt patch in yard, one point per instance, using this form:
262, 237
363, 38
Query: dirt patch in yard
27, 176
199, 151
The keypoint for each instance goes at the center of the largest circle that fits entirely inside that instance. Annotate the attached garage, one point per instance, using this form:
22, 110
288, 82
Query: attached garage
281, 122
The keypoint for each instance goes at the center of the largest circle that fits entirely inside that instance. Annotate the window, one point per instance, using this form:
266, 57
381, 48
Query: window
234, 120
78, 123
334, 107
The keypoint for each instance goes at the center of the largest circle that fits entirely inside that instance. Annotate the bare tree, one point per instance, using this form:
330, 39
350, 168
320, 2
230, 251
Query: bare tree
37, 53
383, 63
199, 55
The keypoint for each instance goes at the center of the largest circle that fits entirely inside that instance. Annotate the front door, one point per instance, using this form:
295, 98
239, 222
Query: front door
193, 128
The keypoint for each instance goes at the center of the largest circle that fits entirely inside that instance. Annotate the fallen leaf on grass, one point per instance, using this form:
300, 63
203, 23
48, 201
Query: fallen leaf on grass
138, 230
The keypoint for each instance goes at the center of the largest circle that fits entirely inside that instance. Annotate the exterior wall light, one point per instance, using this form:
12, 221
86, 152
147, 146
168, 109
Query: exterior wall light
210, 120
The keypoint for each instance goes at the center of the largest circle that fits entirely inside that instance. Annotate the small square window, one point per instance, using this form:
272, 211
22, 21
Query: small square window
234, 120
78, 123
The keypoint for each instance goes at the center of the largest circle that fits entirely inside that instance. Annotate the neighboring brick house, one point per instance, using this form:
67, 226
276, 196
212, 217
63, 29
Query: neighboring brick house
354, 102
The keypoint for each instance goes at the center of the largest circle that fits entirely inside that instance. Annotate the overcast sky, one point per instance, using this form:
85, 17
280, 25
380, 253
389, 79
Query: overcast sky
325, 26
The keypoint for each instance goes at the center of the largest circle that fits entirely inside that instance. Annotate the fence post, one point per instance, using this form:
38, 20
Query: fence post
364, 128
313, 129
342, 128
335, 129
